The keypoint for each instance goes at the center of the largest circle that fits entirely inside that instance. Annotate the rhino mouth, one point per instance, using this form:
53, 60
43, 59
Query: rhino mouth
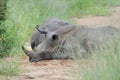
39, 56
35, 56
34, 59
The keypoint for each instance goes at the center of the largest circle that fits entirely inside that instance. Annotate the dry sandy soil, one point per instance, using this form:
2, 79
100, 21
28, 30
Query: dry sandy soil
59, 69
92, 21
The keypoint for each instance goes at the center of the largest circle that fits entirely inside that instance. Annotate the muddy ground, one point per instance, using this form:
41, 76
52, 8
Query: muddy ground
60, 69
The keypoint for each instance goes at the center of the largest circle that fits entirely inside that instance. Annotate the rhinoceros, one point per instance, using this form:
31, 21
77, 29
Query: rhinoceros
50, 39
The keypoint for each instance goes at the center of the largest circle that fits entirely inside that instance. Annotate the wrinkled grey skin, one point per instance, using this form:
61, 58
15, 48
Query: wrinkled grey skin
54, 34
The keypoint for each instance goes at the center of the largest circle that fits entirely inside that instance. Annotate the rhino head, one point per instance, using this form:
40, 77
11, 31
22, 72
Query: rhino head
52, 42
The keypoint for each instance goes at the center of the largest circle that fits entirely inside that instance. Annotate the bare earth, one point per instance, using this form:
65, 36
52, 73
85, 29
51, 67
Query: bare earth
113, 19
60, 69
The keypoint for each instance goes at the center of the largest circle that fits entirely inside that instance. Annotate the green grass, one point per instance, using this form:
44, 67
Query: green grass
9, 67
2, 77
104, 67
111, 2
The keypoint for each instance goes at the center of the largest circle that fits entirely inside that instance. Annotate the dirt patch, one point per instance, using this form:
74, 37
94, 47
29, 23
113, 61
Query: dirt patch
59, 69
46, 70
93, 21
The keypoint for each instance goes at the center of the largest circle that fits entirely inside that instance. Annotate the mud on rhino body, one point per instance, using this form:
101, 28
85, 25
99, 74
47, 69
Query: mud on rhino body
50, 40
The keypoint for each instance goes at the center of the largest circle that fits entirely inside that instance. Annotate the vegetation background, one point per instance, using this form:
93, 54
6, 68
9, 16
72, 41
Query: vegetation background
18, 19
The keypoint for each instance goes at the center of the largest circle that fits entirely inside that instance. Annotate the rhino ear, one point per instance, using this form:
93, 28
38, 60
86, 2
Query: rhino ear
65, 30
41, 30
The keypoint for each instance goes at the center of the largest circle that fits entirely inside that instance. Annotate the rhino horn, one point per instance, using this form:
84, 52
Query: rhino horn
27, 50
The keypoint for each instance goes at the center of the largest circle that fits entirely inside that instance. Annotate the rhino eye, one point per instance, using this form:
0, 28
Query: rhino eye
55, 37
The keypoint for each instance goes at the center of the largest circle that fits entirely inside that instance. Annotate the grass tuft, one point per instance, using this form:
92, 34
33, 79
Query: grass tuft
9, 67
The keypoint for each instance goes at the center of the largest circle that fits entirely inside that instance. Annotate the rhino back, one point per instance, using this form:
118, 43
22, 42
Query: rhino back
89, 38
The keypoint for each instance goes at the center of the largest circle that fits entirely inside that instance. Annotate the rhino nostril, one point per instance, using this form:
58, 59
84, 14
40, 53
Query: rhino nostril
55, 37
33, 60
